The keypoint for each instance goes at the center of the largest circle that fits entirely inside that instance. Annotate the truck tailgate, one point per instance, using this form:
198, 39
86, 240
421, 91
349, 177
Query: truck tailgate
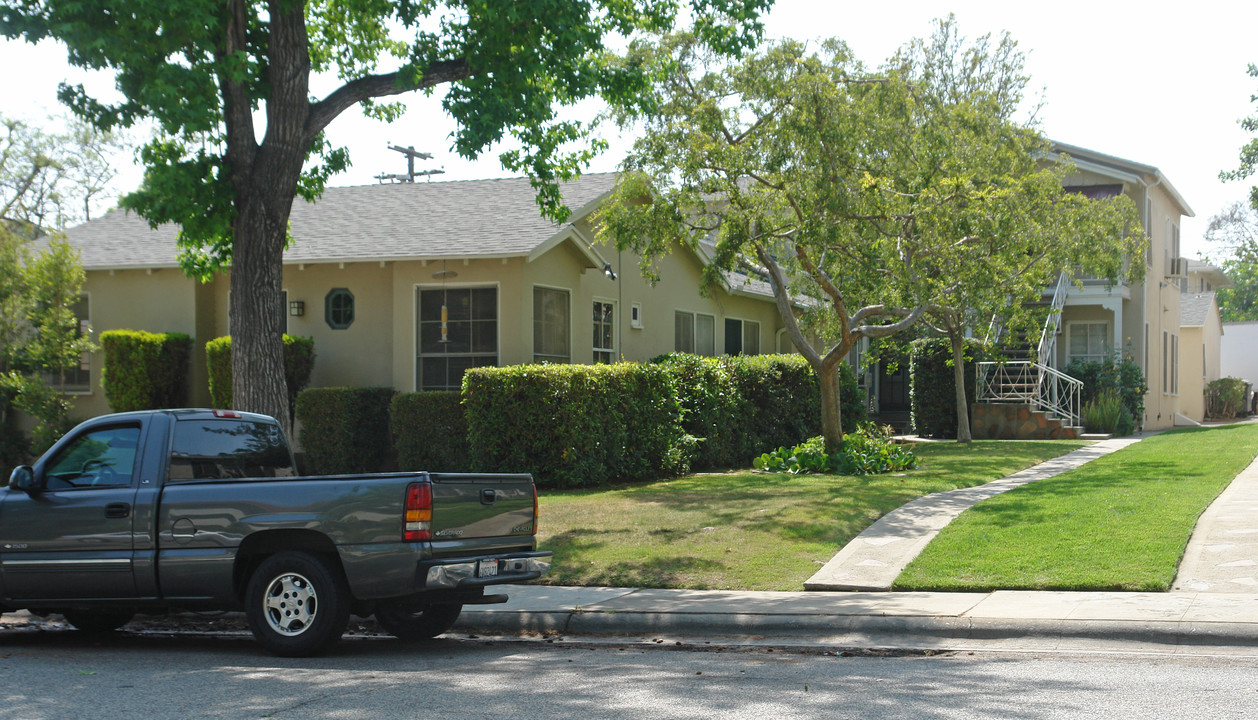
468, 506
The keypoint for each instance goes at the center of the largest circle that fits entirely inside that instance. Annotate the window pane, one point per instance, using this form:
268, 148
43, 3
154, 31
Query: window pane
705, 335
550, 325
103, 458
471, 332
213, 449
751, 338
733, 336
683, 332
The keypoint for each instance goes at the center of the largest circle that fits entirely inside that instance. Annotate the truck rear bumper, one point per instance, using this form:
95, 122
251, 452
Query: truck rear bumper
486, 570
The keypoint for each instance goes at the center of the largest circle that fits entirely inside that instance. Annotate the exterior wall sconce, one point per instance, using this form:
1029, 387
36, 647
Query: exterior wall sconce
607, 270
296, 308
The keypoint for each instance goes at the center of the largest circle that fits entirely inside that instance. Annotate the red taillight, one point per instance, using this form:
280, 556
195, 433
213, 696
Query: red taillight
536, 512
227, 414
418, 512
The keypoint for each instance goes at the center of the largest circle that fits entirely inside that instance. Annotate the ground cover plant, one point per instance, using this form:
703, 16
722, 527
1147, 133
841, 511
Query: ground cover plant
746, 530
1120, 522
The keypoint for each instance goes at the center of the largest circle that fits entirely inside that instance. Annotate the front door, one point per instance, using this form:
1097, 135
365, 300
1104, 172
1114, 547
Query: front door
73, 538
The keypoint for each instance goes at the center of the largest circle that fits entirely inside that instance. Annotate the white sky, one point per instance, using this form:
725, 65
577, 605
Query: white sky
1154, 86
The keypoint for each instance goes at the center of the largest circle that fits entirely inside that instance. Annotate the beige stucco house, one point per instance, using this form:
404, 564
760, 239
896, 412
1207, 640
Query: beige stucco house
407, 285
1142, 319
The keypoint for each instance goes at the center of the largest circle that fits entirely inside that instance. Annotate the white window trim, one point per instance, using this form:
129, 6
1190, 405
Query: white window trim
571, 321
419, 287
694, 331
614, 349
742, 329
1109, 330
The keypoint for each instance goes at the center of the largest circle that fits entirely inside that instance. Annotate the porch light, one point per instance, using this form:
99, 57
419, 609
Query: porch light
297, 308
607, 270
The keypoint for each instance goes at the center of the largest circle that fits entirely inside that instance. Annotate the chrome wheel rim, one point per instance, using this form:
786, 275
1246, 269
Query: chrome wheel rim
290, 603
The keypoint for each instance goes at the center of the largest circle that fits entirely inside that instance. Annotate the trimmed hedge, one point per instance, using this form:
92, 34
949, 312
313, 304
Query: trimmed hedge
933, 384
345, 430
144, 370
575, 425
299, 358
739, 406
430, 432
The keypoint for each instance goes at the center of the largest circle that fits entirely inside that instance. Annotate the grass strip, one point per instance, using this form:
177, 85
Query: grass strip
1120, 522
745, 530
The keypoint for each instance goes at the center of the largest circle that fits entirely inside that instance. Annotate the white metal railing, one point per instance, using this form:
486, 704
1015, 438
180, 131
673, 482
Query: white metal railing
1048, 339
1023, 381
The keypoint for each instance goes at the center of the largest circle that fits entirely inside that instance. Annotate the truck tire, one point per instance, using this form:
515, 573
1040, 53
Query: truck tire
97, 621
411, 623
297, 604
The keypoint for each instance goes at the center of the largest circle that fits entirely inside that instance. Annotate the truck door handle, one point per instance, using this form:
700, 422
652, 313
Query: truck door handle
117, 510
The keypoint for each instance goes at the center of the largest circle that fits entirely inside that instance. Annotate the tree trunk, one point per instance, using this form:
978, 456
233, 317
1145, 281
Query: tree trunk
254, 312
831, 406
958, 377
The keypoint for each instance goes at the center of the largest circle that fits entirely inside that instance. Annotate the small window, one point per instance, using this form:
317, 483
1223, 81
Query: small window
683, 332
550, 326
338, 308
217, 449
1089, 342
604, 332
694, 333
101, 458
742, 337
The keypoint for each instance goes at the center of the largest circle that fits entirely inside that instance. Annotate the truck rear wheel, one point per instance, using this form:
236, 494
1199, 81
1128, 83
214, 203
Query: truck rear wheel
297, 604
412, 623
98, 621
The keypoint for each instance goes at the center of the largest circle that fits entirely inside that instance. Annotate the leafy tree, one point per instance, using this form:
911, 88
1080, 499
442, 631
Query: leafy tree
227, 82
50, 178
1249, 153
880, 198
1235, 232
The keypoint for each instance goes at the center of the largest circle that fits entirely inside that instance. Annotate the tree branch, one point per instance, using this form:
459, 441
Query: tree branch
355, 91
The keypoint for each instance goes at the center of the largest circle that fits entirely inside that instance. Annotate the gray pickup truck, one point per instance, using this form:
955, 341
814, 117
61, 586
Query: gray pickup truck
149, 512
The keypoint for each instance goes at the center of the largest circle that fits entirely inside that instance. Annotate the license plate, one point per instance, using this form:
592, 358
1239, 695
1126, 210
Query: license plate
488, 568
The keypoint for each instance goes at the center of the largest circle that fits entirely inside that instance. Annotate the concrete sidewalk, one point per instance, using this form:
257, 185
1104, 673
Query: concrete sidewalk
1214, 605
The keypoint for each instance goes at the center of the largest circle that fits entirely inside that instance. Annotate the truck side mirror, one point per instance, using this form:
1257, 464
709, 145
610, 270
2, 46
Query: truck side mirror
23, 478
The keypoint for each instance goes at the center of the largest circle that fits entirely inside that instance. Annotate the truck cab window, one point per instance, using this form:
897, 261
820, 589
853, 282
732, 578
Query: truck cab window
101, 458
215, 449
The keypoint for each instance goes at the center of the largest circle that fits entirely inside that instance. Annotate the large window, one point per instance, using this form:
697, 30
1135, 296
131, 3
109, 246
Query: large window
78, 377
1089, 341
218, 449
550, 326
742, 337
458, 329
604, 332
694, 333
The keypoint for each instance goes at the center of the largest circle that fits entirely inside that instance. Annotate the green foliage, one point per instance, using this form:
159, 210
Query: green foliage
1225, 397
867, 451
575, 425
734, 406
430, 432
1249, 153
1120, 374
345, 430
1235, 231
1105, 413
810, 153
144, 370
933, 384
299, 357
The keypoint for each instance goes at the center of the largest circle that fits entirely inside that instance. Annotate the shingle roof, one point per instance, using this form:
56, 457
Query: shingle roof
1194, 308
473, 218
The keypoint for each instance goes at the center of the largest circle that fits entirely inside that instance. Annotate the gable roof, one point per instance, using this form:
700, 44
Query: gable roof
1118, 168
404, 221
1194, 308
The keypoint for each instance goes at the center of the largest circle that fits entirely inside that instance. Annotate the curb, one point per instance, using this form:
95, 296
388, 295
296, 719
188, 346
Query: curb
846, 629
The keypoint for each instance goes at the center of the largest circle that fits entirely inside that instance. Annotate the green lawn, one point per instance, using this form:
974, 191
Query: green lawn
1118, 523
744, 530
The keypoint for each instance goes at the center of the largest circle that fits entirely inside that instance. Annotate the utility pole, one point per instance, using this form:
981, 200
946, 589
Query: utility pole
411, 154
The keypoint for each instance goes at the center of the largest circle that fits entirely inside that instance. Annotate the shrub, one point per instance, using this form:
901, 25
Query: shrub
574, 425
1120, 374
933, 384
1225, 397
430, 432
144, 370
299, 357
733, 406
868, 450
345, 430
1105, 413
